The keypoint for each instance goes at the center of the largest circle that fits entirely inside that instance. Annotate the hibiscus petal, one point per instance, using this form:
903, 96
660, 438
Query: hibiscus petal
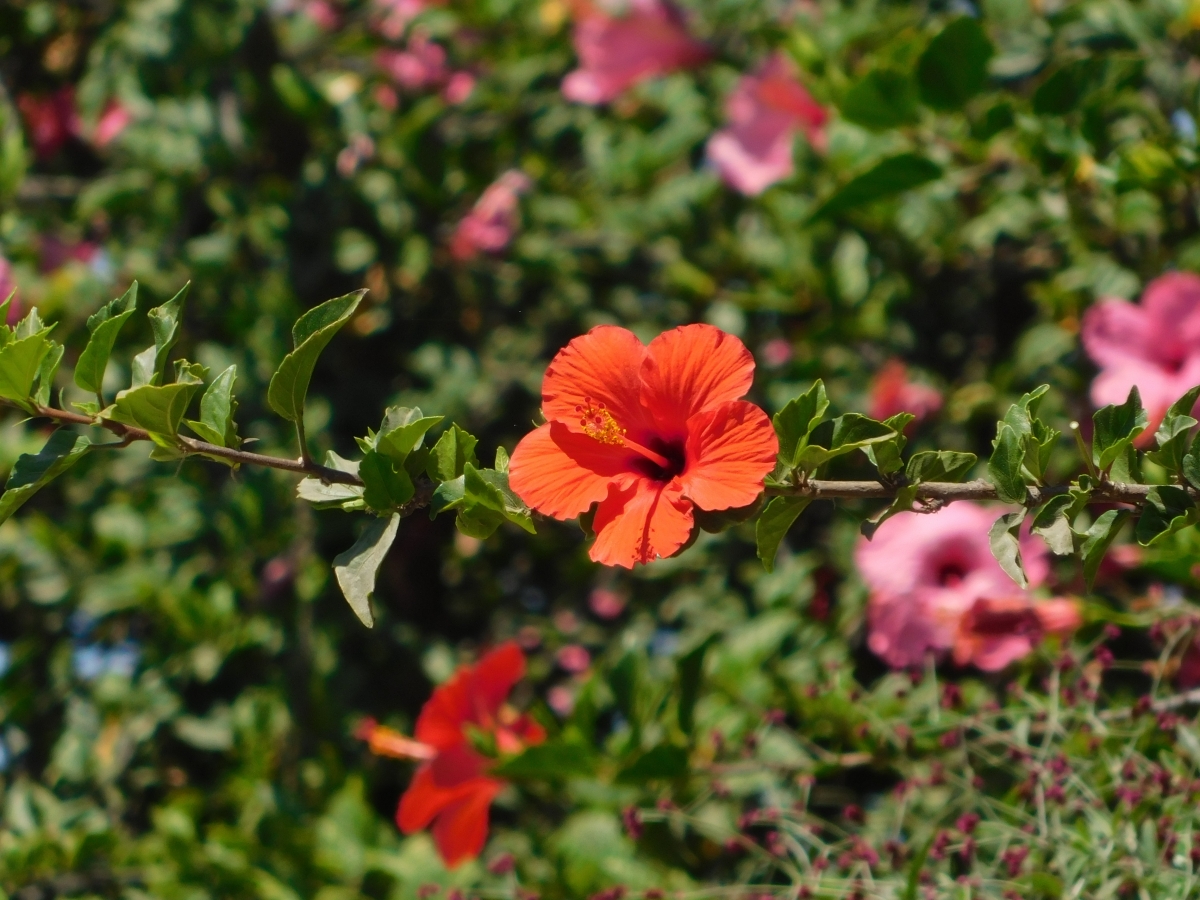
425, 798
1172, 303
561, 473
730, 449
1116, 332
603, 365
494, 676
640, 523
442, 717
461, 828
693, 368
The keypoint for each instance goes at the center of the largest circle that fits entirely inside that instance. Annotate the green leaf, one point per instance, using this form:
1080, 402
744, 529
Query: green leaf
1005, 538
217, 408
43, 384
554, 760
1172, 435
104, 325
454, 449
939, 465
891, 176
1053, 524
691, 668
448, 495
1004, 466
311, 333
356, 568
796, 421
32, 472
1115, 429
662, 762
20, 362
953, 68
156, 408
1097, 539
385, 487
776, 518
402, 431
487, 489
1062, 90
150, 365
881, 99
1168, 509
887, 456
848, 433
333, 496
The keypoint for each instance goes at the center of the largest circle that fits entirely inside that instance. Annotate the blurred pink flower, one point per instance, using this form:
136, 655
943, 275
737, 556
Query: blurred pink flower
892, 392
458, 88
776, 352
573, 658
561, 699
397, 14
997, 631
491, 223
322, 13
112, 122
8, 284
1154, 345
422, 64
51, 119
765, 111
925, 572
617, 52
606, 604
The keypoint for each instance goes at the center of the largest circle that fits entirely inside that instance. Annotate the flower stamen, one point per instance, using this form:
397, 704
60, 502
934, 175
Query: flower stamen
598, 423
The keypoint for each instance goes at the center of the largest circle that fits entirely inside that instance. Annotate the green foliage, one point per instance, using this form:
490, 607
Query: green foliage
891, 176
310, 335
357, 568
33, 472
1115, 429
954, 66
104, 325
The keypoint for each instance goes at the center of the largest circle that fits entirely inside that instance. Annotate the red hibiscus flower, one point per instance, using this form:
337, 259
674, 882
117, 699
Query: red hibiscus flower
452, 788
648, 433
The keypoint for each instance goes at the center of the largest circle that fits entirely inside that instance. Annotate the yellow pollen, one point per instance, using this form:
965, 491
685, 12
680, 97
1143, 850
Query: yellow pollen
598, 423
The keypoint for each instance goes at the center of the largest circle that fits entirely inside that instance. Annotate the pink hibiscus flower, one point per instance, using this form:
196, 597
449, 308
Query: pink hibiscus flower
892, 392
112, 122
422, 64
935, 587
492, 222
1154, 345
765, 112
617, 52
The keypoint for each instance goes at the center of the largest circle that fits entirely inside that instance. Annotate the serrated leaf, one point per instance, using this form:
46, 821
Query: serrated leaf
150, 365
20, 361
310, 335
489, 489
104, 325
156, 408
1004, 466
554, 760
454, 449
887, 456
1005, 540
43, 383
1168, 509
1052, 523
357, 568
1171, 438
385, 487
939, 465
889, 177
773, 523
953, 68
849, 432
402, 431
796, 421
1096, 541
448, 495
217, 407
32, 472
1116, 426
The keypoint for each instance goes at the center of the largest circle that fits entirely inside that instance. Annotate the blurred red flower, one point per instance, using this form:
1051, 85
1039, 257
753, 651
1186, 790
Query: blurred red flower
492, 222
51, 120
618, 51
1154, 345
452, 788
765, 112
892, 392
648, 433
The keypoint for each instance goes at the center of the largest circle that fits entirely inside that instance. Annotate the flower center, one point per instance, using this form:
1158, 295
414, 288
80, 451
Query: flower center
598, 423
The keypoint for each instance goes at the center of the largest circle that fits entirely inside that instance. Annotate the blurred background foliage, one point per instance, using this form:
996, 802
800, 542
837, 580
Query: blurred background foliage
181, 679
